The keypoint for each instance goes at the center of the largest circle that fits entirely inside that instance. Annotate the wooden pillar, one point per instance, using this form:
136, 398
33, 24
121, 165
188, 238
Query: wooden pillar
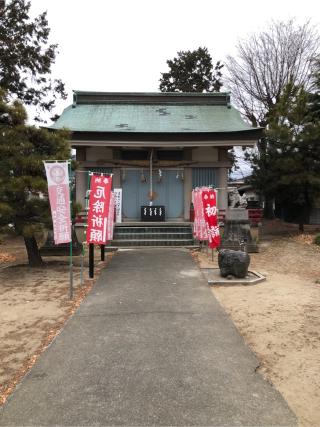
222, 185
187, 192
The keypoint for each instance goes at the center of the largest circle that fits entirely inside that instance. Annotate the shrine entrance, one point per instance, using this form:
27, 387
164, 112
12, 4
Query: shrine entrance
168, 190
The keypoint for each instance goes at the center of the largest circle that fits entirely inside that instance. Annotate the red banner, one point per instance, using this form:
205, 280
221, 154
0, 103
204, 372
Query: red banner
58, 189
99, 203
209, 200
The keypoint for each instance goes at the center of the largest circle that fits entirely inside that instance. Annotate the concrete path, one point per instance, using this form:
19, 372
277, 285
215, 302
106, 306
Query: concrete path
149, 346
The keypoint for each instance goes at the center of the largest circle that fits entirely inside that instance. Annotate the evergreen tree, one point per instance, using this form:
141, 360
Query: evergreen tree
291, 155
23, 186
26, 57
192, 71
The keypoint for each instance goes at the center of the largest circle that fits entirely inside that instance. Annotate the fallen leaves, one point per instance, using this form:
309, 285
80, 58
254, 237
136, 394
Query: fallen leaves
306, 239
5, 257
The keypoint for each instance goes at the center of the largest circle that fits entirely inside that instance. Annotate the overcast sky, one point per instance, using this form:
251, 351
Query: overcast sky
123, 45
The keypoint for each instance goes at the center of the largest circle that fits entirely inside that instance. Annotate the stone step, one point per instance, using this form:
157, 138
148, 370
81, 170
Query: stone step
154, 224
153, 242
120, 230
155, 235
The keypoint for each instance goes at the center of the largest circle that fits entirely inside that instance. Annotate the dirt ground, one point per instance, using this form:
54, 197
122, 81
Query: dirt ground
280, 319
34, 305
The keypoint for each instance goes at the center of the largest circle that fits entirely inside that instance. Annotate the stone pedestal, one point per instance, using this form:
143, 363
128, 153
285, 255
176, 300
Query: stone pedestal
237, 231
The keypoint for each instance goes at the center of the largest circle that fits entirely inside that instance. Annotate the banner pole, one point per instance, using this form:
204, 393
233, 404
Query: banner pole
70, 256
102, 248
81, 271
91, 260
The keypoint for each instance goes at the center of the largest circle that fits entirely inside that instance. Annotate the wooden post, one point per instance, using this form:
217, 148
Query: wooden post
82, 259
91, 260
102, 247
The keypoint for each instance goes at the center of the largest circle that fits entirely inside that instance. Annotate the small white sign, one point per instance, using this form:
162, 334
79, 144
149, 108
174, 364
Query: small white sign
118, 203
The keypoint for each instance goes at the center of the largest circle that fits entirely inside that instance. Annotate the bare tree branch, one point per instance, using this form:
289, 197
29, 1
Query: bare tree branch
266, 63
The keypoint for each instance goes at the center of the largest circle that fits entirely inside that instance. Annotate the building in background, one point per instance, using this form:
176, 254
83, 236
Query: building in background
181, 139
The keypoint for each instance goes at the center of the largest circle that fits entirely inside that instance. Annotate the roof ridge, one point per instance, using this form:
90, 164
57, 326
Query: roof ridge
193, 98
84, 92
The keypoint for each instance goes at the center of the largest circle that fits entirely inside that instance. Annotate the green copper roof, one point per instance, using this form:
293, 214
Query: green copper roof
151, 113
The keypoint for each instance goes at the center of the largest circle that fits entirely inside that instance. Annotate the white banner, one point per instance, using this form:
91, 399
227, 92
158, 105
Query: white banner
110, 219
118, 203
59, 197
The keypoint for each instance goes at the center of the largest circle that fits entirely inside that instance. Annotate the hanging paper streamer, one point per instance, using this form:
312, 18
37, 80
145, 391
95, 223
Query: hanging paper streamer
99, 206
58, 188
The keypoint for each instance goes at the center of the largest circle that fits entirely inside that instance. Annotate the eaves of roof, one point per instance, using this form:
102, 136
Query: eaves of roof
123, 118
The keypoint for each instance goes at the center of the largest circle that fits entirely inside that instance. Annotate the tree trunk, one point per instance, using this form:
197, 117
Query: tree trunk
34, 256
268, 212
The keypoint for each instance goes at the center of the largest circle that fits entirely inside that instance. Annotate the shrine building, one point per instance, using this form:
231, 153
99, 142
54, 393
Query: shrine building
180, 140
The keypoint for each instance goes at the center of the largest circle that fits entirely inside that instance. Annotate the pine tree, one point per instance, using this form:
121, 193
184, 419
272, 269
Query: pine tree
291, 154
26, 57
192, 71
23, 186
